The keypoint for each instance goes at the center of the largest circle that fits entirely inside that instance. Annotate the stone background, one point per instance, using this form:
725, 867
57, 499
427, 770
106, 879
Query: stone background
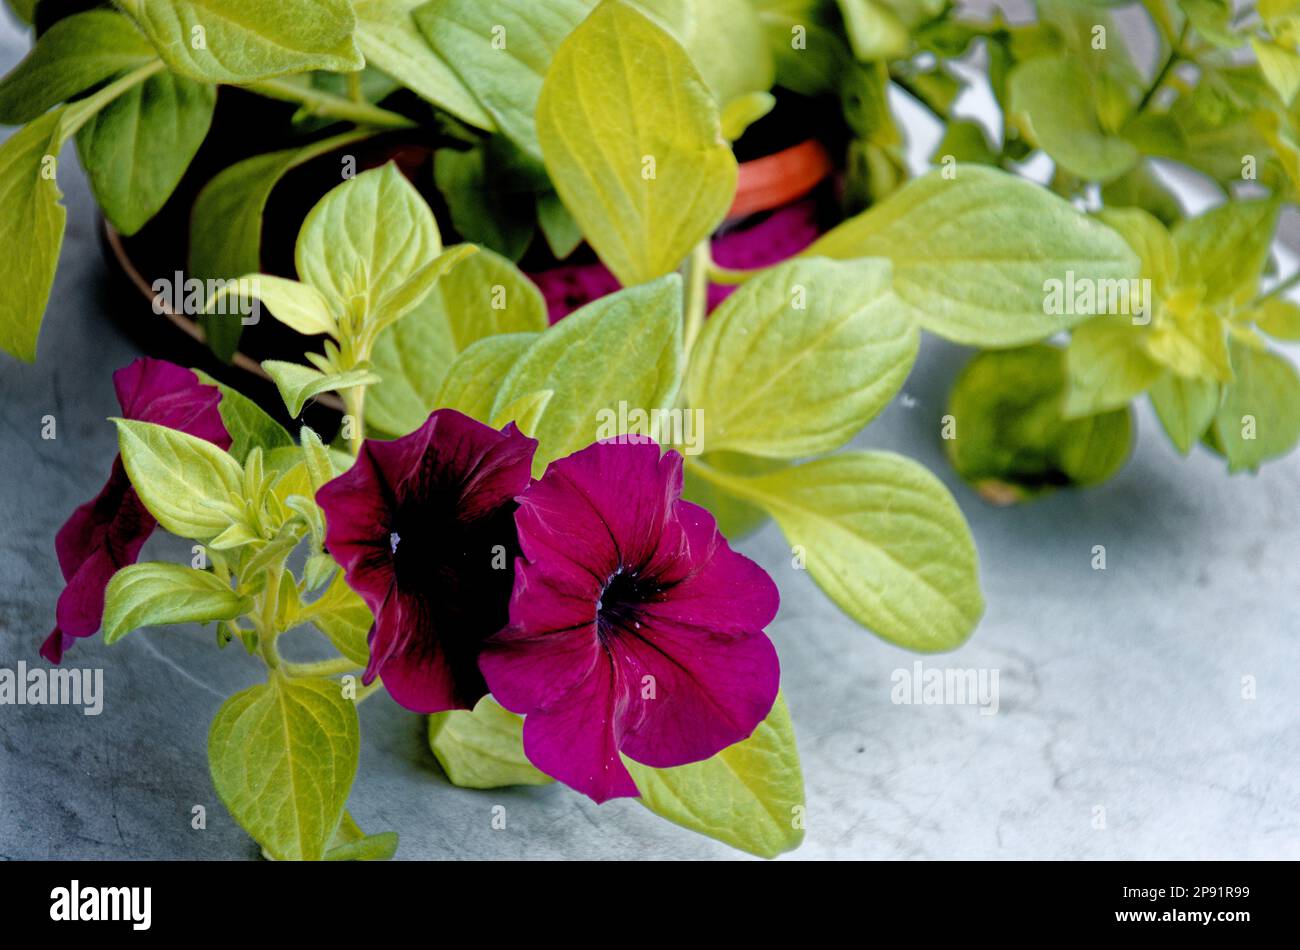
1119, 689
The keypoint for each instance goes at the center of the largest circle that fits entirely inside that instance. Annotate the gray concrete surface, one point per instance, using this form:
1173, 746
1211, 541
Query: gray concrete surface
1120, 690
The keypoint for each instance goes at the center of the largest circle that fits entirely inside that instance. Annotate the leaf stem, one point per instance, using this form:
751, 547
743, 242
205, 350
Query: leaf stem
329, 106
728, 277
697, 293
331, 667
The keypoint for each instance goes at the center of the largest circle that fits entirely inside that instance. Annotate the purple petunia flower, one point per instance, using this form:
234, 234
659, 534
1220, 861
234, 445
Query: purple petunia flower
634, 628
107, 532
424, 528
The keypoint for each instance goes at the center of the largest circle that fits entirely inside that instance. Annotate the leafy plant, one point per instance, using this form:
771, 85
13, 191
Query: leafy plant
607, 123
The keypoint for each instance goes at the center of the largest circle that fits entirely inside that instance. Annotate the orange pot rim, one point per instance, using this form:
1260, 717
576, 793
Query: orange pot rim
767, 183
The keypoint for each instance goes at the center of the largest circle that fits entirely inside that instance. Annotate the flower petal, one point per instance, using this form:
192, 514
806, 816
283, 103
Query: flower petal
575, 740
107, 532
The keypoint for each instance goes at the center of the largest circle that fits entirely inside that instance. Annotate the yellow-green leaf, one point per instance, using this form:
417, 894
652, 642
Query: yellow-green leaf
632, 140
483, 748
750, 795
820, 345
283, 755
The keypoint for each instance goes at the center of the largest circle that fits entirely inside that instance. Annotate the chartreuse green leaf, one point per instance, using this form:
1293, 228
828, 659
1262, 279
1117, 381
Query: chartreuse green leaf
283, 755
626, 347
663, 176
734, 70
153, 594
881, 536
820, 345
1259, 417
352, 844
750, 795
477, 212
187, 483
300, 307
1225, 249
990, 291
1186, 407
483, 748
476, 375
1157, 253
1279, 318
138, 147
344, 618
241, 41
875, 30
390, 40
1055, 99
814, 67
525, 412
1280, 66
247, 423
501, 51
1009, 438
25, 10
562, 233
31, 218
1108, 366
75, 54
366, 239
226, 224
485, 295
298, 383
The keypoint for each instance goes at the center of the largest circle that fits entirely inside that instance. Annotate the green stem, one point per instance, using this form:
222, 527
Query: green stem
697, 293
354, 401
354, 87
1175, 55
365, 692
333, 667
329, 106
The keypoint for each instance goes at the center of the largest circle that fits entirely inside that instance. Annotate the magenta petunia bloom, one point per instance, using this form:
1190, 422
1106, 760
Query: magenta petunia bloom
634, 628
424, 528
107, 532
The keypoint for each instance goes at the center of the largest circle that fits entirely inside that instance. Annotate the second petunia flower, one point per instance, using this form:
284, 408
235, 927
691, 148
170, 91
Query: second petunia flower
634, 629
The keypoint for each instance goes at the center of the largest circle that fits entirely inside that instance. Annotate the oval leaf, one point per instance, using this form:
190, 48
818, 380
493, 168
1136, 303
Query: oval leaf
283, 755
662, 176
971, 254
884, 539
151, 595
626, 347
822, 346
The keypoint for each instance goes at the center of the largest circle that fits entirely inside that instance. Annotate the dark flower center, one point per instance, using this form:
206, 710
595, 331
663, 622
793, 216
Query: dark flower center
619, 608
459, 572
